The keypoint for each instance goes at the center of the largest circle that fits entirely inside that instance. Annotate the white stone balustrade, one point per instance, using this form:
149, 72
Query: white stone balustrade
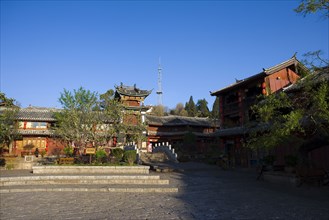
166, 147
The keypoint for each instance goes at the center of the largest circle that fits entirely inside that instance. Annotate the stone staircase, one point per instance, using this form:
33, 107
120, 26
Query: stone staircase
85, 182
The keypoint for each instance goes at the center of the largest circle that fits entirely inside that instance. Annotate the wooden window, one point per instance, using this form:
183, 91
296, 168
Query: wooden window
37, 142
32, 125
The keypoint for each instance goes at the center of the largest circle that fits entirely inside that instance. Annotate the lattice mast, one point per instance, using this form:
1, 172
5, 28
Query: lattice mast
159, 92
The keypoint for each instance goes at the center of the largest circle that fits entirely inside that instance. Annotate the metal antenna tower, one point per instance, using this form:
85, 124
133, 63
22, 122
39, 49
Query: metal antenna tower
159, 92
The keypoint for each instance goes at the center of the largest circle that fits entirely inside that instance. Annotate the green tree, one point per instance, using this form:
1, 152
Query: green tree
179, 110
312, 6
8, 118
119, 121
112, 113
299, 118
183, 113
313, 60
78, 120
215, 109
5, 101
133, 129
202, 108
190, 107
107, 98
158, 110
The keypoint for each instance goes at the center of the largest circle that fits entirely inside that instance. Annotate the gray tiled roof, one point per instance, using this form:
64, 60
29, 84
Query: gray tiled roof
175, 120
230, 131
37, 114
131, 91
280, 66
264, 73
179, 133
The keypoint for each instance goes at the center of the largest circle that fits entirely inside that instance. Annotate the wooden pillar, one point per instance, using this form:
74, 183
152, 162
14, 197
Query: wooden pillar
241, 106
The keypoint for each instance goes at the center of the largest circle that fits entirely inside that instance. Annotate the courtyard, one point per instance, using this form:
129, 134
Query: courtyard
205, 192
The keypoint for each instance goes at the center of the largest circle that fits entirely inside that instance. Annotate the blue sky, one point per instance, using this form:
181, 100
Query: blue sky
49, 46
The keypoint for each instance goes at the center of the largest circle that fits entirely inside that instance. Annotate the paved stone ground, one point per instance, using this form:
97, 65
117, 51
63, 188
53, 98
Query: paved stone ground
205, 192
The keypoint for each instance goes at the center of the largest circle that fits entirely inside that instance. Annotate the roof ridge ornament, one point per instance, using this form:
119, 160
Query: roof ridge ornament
294, 56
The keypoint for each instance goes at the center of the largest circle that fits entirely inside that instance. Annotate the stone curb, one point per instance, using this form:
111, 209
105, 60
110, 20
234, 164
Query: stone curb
66, 177
83, 181
121, 190
91, 169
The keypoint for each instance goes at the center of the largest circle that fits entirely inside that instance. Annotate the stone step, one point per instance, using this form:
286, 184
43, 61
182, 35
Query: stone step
90, 169
95, 179
90, 188
87, 177
69, 180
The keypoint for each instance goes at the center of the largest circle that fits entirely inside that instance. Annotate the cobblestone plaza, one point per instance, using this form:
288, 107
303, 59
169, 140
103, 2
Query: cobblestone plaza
205, 192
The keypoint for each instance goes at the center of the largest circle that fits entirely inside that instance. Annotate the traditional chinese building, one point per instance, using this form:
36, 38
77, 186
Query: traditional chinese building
132, 99
173, 129
131, 96
34, 126
236, 100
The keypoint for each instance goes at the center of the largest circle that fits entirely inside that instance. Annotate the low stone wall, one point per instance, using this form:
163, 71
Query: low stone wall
91, 169
19, 163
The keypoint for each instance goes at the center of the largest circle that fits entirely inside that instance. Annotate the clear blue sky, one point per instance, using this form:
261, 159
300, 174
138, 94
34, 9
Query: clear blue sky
47, 46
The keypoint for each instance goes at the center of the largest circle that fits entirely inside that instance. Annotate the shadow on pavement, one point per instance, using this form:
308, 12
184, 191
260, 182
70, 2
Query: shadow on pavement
209, 192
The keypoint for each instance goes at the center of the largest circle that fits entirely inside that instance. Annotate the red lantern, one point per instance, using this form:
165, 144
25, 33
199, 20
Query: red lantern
263, 85
264, 91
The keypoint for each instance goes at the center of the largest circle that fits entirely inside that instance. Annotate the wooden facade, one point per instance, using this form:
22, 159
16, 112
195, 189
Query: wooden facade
131, 96
170, 129
236, 101
173, 129
35, 127
35, 124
